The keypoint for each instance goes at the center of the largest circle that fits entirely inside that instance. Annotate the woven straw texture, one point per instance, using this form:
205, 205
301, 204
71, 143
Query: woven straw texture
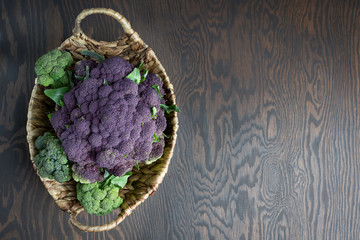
143, 182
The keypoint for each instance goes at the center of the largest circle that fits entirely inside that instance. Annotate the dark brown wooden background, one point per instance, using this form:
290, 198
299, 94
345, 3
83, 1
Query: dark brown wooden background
268, 143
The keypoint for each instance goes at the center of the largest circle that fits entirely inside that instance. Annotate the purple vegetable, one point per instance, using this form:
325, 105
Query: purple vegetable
107, 121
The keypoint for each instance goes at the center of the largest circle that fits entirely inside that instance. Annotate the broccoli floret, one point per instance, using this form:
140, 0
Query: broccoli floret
50, 68
41, 141
98, 198
101, 198
63, 81
51, 161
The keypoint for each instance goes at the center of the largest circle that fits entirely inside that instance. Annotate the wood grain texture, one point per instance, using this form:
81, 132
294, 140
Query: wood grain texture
269, 129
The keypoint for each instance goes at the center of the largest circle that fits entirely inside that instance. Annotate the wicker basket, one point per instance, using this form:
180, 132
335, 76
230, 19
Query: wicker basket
143, 182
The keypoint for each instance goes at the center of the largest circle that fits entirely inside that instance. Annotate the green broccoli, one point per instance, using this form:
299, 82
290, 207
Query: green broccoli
98, 198
101, 198
51, 161
41, 141
50, 68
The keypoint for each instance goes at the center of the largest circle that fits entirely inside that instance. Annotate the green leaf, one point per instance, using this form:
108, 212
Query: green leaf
57, 95
92, 54
156, 87
87, 69
153, 112
155, 138
121, 181
107, 181
106, 174
79, 77
169, 109
144, 75
137, 165
135, 75
50, 116
166, 136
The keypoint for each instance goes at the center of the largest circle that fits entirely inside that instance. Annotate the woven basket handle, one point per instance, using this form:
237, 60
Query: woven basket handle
98, 228
118, 17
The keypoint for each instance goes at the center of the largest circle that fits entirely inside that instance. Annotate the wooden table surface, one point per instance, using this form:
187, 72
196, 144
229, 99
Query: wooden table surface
268, 144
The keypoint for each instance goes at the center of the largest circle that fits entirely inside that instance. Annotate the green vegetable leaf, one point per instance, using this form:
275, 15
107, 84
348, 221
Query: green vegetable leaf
121, 181
155, 138
144, 75
156, 87
57, 95
135, 75
87, 69
169, 109
117, 181
153, 112
79, 77
107, 181
92, 54
166, 136
106, 174
137, 165
49, 116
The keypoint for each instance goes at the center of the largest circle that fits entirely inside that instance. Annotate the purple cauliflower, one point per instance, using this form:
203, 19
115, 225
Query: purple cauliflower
80, 67
157, 151
108, 120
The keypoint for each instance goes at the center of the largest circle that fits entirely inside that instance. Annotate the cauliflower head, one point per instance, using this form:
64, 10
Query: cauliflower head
110, 122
